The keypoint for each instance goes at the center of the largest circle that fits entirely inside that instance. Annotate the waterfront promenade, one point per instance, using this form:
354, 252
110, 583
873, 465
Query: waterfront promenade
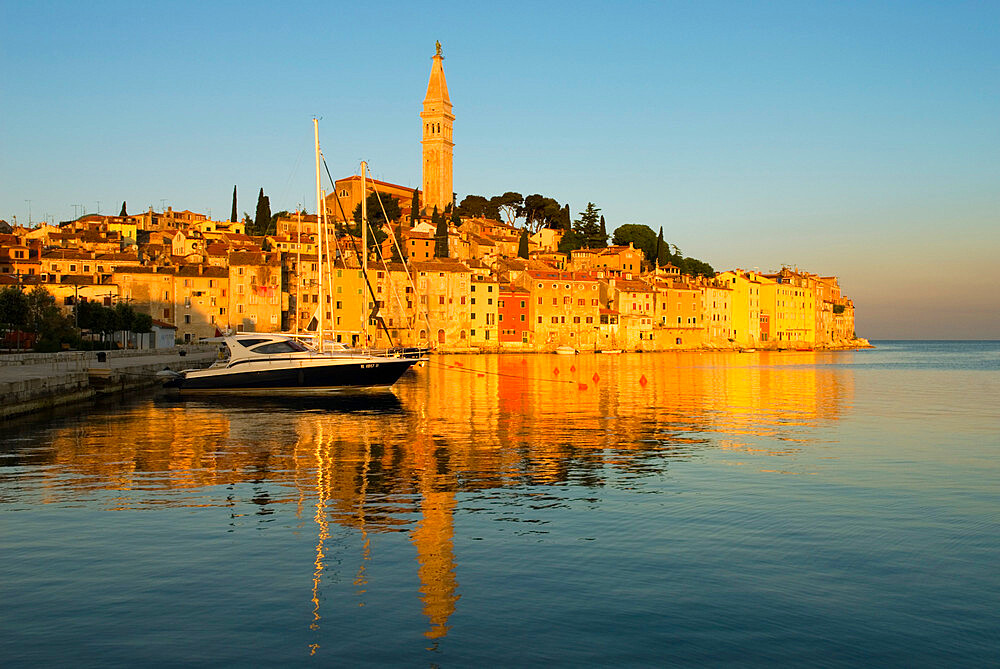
32, 381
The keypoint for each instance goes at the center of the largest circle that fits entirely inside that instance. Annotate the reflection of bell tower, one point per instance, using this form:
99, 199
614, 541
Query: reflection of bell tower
437, 139
435, 553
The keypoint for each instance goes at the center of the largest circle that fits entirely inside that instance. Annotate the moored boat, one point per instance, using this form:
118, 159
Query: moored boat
566, 350
275, 363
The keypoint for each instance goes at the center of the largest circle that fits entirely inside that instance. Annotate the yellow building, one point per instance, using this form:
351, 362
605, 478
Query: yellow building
750, 324
484, 302
566, 307
791, 303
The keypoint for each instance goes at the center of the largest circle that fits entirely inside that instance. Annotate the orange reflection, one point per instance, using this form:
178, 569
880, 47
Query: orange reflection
462, 424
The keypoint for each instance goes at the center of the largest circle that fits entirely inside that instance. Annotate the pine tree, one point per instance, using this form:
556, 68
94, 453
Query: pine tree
415, 207
232, 216
440, 236
522, 245
589, 227
123, 213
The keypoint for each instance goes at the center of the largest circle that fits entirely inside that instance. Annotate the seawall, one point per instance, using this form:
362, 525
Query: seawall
34, 381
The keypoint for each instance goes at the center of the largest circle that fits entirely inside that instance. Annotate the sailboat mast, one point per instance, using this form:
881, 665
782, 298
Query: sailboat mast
320, 221
364, 247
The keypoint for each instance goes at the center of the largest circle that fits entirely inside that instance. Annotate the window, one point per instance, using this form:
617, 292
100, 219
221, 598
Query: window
523, 305
187, 318
441, 299
522, 318
472, 300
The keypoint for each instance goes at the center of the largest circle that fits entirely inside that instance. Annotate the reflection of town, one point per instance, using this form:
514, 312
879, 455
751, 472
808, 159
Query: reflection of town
464, 424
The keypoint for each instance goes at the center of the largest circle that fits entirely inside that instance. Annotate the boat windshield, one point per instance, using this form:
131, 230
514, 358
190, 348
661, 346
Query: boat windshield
286, 346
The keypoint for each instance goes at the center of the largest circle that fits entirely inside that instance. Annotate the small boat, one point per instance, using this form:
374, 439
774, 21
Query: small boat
566, 350
612, 352
278, 364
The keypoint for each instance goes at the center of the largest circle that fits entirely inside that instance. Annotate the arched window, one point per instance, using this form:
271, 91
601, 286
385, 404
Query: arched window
423, 335
461, 335
440, 336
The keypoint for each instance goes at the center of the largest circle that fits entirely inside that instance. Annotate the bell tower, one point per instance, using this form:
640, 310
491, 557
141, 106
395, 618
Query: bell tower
437, 139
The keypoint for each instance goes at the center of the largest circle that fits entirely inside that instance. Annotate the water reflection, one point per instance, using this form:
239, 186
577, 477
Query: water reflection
491, 428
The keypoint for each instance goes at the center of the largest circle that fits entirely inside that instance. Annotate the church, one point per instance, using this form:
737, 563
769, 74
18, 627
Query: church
436, 190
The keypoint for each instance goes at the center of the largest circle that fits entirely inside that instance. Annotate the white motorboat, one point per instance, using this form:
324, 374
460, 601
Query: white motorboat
276, 363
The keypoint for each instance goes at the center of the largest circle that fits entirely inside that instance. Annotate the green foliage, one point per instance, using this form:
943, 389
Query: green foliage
123, 213
588, 226
656, 250
477, 206
232, 215
13, 308
571, 241
374, 204
456, 217
441, 236
262, 219
640, 236
522, 244
539, 211
415, 207
508, 204
838, 308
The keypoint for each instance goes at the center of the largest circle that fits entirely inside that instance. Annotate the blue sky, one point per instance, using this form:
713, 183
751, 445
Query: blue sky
856, 139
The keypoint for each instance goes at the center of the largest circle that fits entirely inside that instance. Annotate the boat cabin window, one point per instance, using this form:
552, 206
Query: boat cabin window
247, 343
280, 347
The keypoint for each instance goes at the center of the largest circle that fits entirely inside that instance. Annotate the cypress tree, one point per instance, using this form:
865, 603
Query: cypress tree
232, 216
522, 245
456, 218
262, 219
123, 213
415, 207
604, 233
440, 236
659, 247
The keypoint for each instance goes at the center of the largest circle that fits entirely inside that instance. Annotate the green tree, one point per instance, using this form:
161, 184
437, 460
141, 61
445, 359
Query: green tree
508, 204
456, 217
522, 244
588, 226
539, 211
123, 213
604, 233
232, 215
415, 207
477, 206
640, 236
375, 204
262, 219
440, 236
13, 309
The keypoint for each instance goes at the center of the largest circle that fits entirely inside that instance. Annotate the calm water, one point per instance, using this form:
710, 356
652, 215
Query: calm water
809, 508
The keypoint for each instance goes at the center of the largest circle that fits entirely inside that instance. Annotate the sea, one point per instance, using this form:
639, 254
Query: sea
829, 509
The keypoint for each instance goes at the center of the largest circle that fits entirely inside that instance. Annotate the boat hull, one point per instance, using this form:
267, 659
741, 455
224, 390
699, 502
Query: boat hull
304, 378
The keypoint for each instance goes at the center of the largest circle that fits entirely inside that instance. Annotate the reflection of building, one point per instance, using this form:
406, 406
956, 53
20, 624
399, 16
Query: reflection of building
374, 466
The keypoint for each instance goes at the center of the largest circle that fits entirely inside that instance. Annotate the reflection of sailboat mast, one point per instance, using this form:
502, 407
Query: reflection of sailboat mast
322, 494
366, 553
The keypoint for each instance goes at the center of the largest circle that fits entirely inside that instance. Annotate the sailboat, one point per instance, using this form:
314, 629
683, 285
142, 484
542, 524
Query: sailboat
281, 363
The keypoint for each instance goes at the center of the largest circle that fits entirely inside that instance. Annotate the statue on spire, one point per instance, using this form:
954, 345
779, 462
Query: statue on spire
437, 45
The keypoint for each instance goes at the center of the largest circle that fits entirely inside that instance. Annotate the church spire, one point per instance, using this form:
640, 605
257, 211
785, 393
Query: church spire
437, 138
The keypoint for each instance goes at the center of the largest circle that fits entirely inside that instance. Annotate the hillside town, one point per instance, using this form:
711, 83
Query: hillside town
440, 274
198, 278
